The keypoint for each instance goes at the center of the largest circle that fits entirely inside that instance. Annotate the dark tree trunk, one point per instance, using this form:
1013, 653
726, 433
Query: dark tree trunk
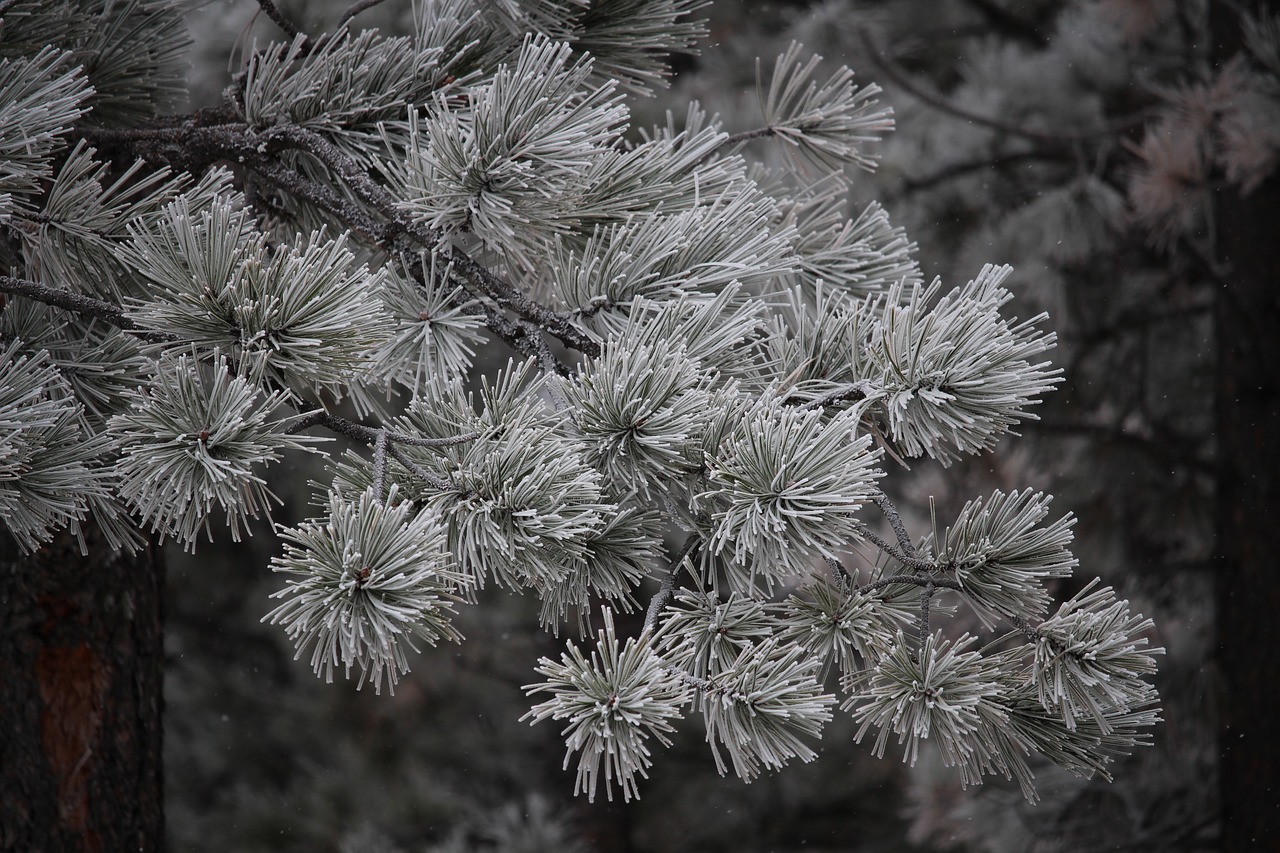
1247, 321
1248, 441
80, 698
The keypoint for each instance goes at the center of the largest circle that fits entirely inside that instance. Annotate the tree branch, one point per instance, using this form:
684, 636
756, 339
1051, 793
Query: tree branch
911, 580
479, 277
912, 562
895, 521
368, 434
193, 147
668, 583
281, 21
325, 198
856, 391
356, 9
78, 303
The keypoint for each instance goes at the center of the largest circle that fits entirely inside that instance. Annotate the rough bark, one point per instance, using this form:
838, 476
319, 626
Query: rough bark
80, 698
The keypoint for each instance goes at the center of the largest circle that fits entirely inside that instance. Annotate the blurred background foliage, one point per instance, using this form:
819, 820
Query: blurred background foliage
1078, 141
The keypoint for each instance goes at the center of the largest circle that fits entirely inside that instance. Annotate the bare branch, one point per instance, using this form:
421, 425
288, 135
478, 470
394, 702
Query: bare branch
856, 391
911, 580
356, 9
281, 21
659, 600
369, 434
80, 304
895, 521
426, 476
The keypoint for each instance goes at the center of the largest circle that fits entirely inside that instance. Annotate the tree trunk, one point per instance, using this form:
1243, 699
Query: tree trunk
81, 651
1248, 501
1247, 322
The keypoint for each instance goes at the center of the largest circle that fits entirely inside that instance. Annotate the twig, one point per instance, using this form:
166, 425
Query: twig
911, 580
546, 359
380, 463
356, 9
859, 390
895, 521
369, 434
746, 135
668, 583
1027, 630
926, 593
437, 483
478, 276
911, 562
274, 13
325, 198
841, 573
80, 304
191, 147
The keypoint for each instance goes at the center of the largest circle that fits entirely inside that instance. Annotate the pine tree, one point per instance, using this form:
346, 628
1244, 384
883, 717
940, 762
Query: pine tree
710, 368
1121, 156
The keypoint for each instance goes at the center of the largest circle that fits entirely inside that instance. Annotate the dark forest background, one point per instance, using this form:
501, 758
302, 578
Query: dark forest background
1119, 155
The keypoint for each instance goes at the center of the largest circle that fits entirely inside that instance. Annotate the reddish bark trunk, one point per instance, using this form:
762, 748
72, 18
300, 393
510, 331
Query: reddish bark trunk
81, 650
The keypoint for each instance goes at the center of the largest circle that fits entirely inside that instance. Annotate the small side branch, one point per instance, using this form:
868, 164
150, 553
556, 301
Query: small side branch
477, 276
380, 463
437, 483
888, 548
747, 135
926, 593
1025, 628
356, 9
668, 583
855, 391
280, 19
368, 434
326, 199
895, 521
911, 580
842, 575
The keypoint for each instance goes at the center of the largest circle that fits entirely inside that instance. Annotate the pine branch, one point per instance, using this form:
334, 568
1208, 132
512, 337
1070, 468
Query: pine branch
356, 9
895, 521
856, 391
663, 594
85, 306
897, 554
910, 580
328, 199
479, 277
368, 434
281, 20
193, 147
